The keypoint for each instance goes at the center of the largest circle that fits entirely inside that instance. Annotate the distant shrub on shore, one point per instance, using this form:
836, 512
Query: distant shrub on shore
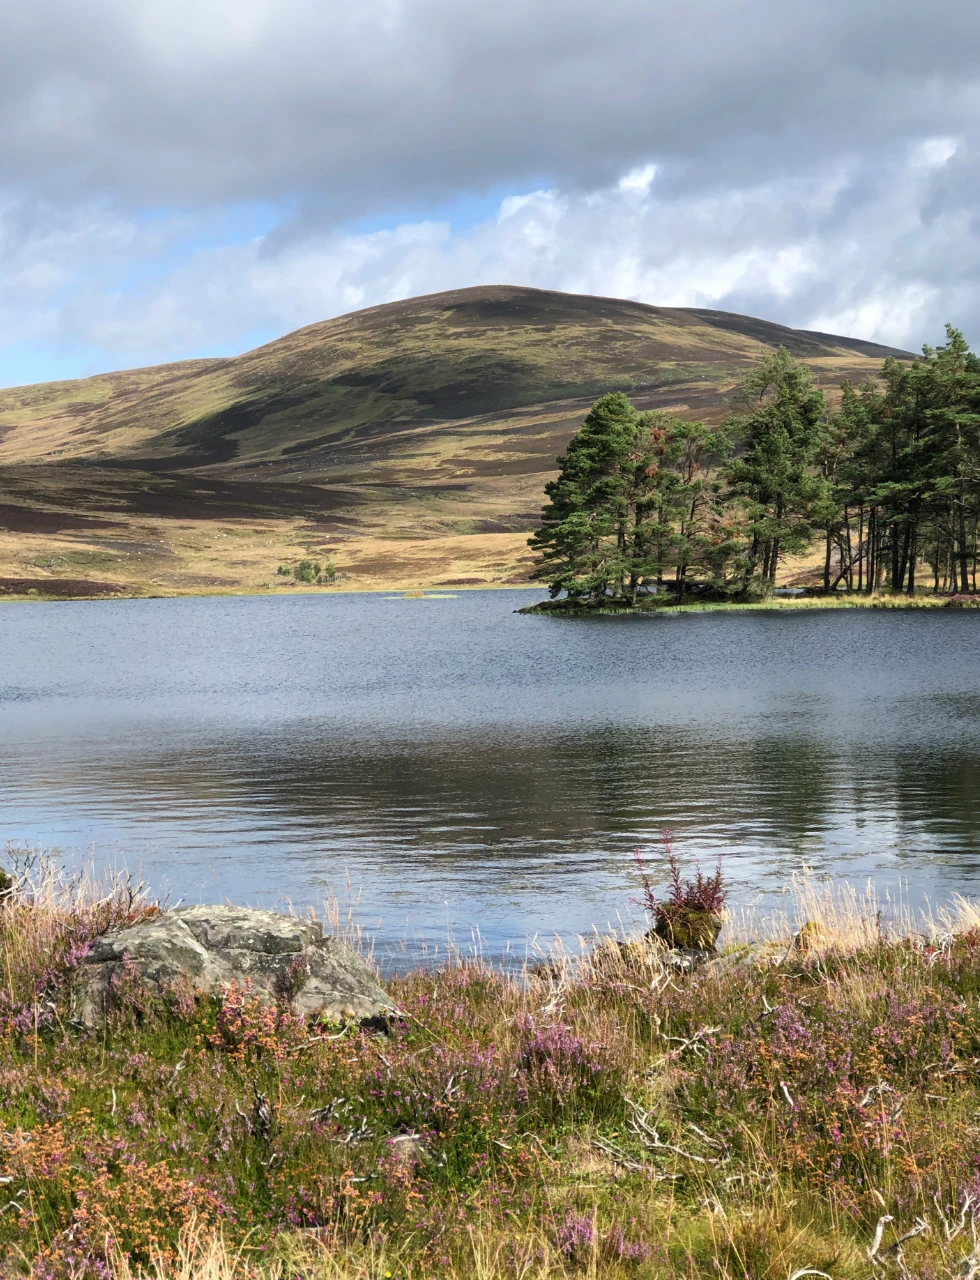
310, 571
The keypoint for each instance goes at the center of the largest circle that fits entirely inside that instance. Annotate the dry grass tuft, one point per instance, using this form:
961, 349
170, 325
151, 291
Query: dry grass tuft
826, 915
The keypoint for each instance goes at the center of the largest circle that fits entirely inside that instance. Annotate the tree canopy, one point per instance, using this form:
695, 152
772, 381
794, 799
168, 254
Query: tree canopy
889, 481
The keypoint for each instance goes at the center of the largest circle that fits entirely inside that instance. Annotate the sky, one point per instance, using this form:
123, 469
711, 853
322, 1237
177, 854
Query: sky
195, 177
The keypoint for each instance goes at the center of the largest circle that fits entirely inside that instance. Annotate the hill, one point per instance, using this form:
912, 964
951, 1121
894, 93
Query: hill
433, 421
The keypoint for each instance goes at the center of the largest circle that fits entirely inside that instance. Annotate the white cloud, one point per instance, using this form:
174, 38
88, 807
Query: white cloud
827, 250
638, 181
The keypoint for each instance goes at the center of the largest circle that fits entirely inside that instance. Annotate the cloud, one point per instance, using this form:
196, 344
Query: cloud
890, 259
179, 176
375, 104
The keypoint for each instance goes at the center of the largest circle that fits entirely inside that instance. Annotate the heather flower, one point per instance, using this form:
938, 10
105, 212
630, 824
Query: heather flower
689, 900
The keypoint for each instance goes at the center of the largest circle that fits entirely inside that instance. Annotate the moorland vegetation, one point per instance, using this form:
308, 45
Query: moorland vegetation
888, 481
803, 1109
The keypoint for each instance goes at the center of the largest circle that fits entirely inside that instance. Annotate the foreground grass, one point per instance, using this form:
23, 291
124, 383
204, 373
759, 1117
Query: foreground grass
805, 1110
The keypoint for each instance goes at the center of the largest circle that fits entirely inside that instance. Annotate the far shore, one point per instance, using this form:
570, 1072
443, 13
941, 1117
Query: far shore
395, 593
837, 600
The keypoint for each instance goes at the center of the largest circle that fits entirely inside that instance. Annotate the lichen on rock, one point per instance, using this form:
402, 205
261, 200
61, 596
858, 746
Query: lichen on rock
207, 948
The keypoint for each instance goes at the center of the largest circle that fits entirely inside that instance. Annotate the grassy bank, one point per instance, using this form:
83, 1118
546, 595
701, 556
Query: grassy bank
838, 600
807, 1109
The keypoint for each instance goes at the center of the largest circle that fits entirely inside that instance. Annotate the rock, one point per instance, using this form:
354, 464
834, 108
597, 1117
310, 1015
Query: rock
647, 953
689, 928
684, 959
206, 948
548, 970
747, 955
408, 1148
811, 936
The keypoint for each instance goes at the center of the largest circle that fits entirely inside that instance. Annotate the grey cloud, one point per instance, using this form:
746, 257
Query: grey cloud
373, 105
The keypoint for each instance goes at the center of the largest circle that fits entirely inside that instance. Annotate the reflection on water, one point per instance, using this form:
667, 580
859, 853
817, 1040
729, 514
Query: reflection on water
468, 768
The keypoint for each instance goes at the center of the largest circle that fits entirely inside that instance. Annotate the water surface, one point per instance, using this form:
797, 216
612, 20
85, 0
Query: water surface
465, 768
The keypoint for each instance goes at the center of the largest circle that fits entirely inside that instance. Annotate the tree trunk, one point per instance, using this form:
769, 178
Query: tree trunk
752, 562
861, 549
826, 564
869, 577
903, 561
964, 551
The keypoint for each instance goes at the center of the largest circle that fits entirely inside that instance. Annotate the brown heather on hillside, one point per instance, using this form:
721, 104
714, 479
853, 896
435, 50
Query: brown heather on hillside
411, 441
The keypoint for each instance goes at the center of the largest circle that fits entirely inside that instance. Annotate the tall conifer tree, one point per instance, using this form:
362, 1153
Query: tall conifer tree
774, 475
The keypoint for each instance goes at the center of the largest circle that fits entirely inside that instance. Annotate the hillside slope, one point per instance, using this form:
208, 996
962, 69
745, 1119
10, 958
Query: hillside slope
436, 417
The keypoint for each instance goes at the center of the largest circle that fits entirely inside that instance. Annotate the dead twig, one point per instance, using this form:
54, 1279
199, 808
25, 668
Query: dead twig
307, 1044
695, 1043
181, 1066
951, 1226
917, 1230
876, 1091
641, 1127
877, 1254
705, 1138
879, 1232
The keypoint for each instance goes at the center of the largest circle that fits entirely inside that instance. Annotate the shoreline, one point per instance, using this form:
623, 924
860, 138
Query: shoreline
611, 1114
798, 604
191, 593
550, 609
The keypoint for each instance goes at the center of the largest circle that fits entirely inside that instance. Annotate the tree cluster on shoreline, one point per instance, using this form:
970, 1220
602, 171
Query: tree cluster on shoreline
888, 481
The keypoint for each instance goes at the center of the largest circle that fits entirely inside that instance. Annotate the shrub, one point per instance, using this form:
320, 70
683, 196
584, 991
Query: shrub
311, 572
691, 915
750, 1121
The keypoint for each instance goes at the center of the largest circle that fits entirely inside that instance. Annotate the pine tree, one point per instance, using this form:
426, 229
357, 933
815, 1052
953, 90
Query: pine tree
635, 499
680, 529
588, 531
774, 477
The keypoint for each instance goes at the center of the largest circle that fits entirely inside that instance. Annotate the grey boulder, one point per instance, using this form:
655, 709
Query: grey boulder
207, 948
